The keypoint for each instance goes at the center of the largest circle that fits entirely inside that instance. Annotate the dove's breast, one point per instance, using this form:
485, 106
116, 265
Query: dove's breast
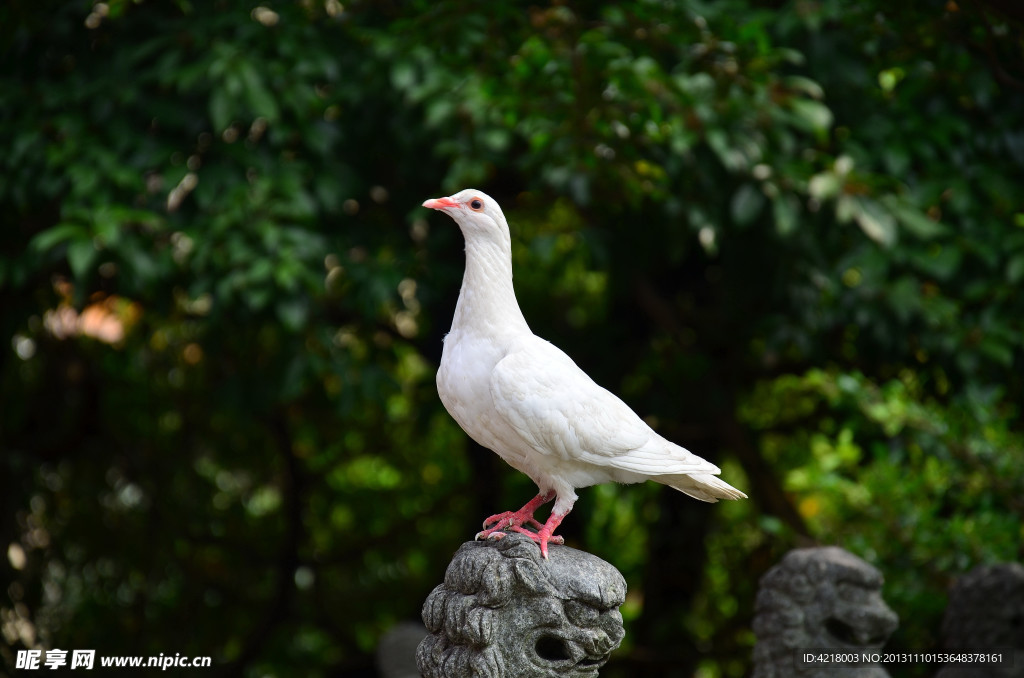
463, 383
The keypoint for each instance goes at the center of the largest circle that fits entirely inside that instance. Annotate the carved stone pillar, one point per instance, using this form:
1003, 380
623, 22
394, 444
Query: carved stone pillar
824, 599
504, 611
986, 612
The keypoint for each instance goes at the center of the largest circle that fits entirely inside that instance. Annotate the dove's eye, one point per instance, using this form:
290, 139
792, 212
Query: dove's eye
476, 204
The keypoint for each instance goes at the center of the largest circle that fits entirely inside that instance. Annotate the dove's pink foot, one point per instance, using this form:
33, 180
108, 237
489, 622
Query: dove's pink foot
545, 534
512, 519
517, 520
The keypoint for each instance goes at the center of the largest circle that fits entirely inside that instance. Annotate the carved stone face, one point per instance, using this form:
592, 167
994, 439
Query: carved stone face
561, 637
849, 613
820, 599
503, 611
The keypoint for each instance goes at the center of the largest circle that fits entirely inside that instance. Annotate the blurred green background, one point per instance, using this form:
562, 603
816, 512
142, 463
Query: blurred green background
790, 233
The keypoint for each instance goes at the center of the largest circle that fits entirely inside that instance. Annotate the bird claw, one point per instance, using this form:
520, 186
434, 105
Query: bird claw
537, 537
522, 520
543, 538
508, 519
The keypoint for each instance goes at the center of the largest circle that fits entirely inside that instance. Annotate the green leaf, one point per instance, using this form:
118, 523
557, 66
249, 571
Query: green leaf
805, 85
813, 116
786, 210
845, 208
51, 237
824, 186
746, 203
997, 350
874, 220
261, 100
1015, 269
81, 254
403, 75
941, 262
904, 297
913, 219
220, 109
293, 313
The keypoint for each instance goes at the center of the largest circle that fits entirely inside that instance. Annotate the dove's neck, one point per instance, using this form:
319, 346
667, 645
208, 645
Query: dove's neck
487, 301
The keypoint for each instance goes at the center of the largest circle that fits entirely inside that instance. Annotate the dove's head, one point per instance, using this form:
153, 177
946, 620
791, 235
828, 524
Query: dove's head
476, 213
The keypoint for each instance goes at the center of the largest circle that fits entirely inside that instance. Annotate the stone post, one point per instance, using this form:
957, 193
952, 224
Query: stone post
505, 612
986, 612
823, 599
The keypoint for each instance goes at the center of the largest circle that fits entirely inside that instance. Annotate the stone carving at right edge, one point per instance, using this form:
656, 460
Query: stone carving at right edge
823, 598
986, 612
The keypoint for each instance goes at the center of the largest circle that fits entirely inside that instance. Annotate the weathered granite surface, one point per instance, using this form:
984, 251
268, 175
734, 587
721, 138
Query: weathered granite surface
504, 611
986, 612
820, 598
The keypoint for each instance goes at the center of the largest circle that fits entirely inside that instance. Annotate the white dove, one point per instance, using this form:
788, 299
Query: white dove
526, 400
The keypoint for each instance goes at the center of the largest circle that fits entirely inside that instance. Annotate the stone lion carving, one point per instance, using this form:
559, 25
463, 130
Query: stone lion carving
824, 599
986, 612
504, 612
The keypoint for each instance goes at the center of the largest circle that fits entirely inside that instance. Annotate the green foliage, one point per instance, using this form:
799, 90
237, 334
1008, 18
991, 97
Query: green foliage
847, 444
789, 235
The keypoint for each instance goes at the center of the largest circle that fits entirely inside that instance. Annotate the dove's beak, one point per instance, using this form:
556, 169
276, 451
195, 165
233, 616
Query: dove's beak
440, 203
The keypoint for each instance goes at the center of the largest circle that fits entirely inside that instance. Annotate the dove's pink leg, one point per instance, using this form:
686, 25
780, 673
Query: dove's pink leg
546, 533
516, 521
500, 521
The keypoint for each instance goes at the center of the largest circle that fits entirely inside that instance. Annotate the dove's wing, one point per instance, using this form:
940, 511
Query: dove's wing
560, 411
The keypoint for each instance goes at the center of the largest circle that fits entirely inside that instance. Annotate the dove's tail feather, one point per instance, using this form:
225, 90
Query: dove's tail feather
703, 486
